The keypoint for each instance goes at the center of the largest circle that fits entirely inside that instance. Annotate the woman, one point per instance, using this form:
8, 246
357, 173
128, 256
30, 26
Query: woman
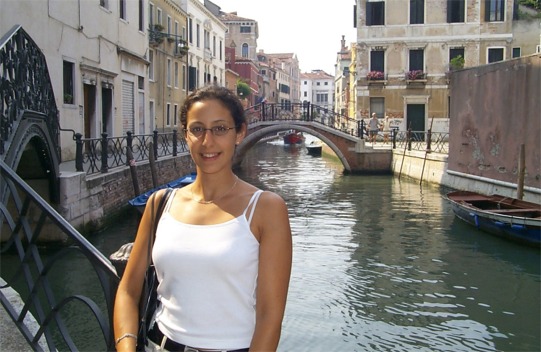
222, 250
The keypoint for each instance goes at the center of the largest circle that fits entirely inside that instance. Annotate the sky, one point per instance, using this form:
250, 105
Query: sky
311, 29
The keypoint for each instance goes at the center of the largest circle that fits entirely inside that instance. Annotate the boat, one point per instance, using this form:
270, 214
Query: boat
140, 201
314, 148
506, 217
293, 137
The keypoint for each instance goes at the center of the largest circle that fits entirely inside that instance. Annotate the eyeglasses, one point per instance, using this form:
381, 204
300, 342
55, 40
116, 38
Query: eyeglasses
198, 132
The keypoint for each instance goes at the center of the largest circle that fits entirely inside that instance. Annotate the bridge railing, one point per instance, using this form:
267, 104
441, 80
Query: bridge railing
98, 155
435, 142
307, 112
36, 291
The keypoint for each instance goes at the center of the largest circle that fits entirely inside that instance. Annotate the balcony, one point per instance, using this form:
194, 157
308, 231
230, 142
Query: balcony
181, 47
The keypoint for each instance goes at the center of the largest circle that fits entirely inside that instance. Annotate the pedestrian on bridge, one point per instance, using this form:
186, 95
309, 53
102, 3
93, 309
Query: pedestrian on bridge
222, 251
373, 127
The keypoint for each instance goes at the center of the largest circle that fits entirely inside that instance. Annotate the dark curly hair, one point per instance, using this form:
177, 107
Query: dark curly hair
228, 99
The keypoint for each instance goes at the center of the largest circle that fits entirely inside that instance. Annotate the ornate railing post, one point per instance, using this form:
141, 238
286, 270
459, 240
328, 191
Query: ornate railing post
175, 142
408, 139
104, 167
361, 129
429, 141
155, 143
394, 132
78, 152
129, 141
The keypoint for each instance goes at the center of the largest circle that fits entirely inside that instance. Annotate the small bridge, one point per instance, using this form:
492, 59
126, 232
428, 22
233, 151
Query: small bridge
341, 133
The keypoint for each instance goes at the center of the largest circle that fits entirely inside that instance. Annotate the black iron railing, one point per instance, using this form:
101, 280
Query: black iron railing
40, 274
24, 85
98, 155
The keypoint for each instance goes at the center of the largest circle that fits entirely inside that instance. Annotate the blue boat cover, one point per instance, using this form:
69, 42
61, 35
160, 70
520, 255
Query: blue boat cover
141, 200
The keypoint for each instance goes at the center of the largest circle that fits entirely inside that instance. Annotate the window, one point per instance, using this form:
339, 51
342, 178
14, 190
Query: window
141, 15
454, 62
159, 16
375, 13
151, 65
322, 98
417, 11
495, 54
377, 105
190, 30
184, 77
122, 8
377, 60
221, 58
494, 10
152, 112
318, 83
151, 15
244, 50
176, 74
455, 11
516, 52
175, 115
326, 83
104, 4
169, 25
68, 72
305, 94
168, 114
169, 72
245, 29
417, 60
197, 35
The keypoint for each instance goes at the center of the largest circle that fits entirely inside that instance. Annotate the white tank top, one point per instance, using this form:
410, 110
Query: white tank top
207, 280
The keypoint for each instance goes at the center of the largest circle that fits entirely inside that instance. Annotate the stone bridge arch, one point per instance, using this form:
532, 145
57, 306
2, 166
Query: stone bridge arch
342, 144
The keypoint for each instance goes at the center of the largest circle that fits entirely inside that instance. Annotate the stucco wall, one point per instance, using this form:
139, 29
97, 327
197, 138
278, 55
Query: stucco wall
494, 109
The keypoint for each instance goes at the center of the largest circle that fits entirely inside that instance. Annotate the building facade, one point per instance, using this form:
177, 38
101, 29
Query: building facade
168, 66
317, 87
406, 50
97, 59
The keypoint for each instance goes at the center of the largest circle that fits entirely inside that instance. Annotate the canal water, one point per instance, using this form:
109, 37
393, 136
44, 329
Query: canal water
382, 264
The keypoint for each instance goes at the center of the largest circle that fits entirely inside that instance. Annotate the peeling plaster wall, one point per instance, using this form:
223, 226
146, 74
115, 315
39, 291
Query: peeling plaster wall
494, 109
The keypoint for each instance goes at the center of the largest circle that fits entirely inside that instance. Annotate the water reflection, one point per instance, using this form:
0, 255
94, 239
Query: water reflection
382, 264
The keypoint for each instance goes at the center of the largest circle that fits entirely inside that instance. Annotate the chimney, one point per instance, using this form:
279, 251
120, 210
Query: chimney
343, 47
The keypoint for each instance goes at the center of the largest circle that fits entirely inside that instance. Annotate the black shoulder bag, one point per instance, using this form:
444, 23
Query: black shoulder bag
149, 296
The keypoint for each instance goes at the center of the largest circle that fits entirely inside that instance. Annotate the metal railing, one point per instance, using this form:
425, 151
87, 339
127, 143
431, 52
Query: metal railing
95, 155
38, 274
99, 155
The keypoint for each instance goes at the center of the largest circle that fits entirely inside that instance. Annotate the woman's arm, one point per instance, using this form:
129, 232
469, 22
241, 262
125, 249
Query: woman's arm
275, 256
126, 310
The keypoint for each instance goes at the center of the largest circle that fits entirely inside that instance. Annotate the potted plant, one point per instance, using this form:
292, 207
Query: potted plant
375, 76
415, 75
457, 63
68, 98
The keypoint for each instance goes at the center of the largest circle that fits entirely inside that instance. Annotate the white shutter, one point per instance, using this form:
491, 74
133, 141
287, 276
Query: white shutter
128, 111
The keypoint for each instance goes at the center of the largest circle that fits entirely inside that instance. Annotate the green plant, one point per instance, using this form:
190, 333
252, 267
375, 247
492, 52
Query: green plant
243, 89
457, 63
68, 98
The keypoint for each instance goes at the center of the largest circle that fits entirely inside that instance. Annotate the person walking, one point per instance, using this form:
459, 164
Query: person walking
222, 252
373, 127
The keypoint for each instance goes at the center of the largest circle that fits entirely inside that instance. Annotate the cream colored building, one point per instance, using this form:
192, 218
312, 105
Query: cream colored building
168, 67
406, 48
97, 58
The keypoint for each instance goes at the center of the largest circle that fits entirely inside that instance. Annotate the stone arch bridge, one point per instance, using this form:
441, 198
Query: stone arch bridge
338, 132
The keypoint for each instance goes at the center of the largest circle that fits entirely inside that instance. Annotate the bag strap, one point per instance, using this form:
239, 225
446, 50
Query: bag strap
150, 281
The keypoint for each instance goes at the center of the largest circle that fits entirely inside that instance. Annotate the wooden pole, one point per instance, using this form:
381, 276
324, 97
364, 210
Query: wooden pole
152, 161
521, 169
429, 136
133, 171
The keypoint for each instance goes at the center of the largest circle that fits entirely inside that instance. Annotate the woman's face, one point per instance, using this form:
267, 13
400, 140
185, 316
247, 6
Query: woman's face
212, 151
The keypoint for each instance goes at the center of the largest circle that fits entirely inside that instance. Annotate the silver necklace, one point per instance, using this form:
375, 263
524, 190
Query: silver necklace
201, 201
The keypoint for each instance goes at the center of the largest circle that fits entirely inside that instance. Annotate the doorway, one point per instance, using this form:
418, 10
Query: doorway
415, 120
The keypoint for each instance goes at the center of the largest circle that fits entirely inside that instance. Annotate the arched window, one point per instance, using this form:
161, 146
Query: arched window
244, 50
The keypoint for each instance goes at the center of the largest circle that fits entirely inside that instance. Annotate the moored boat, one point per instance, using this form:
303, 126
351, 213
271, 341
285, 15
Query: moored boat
294, 137
506, 217
314, 148
140, 201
